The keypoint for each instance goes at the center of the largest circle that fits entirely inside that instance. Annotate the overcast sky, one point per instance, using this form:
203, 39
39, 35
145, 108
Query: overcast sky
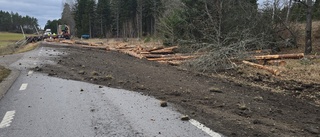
43, 10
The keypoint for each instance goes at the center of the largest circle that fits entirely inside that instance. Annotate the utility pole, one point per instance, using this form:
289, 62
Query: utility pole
36, 29
308, 47
22, 32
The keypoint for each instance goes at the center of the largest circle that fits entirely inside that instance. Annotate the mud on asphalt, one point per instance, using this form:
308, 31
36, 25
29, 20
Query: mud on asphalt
227, 107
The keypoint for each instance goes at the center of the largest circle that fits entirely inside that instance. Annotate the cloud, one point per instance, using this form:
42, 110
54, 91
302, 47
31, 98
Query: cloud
42, 10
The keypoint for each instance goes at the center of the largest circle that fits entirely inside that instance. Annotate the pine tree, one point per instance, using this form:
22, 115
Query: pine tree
53, 25
10, 22
103, 17
84, 15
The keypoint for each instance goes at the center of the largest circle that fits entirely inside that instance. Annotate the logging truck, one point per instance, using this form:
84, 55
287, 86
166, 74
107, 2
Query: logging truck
64, 31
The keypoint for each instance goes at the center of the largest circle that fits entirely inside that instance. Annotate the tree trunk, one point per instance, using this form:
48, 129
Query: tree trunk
132, 53
117, 22
308, 47
101, 24
271, 70
139, 18
281, 56
288, 11
171, 58
90, 25
154, 18
275, 4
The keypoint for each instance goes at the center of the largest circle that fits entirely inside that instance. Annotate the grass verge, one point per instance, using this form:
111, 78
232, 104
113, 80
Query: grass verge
7, 45
27, 47
4, 73
7, 38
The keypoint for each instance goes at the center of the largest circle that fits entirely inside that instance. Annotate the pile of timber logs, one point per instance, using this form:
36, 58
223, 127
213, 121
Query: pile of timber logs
275, 60
82, 43
159, 54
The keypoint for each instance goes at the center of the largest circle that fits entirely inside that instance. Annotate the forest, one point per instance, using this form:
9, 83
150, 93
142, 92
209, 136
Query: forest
226, 28
138, 18
11, 22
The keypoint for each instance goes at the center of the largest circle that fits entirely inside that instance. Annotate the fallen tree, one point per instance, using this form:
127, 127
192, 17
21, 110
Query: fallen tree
271, 70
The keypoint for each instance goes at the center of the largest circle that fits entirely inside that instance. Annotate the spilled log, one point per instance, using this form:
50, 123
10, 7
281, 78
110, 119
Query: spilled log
281, 56
271, 70
132, 53
168, 50
171, 58
82, 42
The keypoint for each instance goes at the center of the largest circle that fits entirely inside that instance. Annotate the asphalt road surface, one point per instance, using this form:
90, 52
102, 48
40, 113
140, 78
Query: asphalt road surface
37, 105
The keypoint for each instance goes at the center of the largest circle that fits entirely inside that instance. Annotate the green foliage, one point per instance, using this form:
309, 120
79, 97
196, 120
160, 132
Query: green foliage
104, 17
226, 29
10, 22
298, 12
84, 16
172, 27
117, 18
53, 25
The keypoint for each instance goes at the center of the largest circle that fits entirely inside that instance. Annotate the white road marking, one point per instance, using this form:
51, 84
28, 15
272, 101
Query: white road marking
24, 86
7, 119
204, 128
30, 72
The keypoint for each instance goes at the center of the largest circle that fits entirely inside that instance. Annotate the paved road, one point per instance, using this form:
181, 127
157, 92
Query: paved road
37, 105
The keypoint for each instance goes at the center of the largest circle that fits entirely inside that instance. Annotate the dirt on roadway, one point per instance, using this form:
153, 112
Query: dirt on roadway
234, 109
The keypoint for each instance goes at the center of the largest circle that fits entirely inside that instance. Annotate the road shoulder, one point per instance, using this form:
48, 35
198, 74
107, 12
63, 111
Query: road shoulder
6, 61
7, 82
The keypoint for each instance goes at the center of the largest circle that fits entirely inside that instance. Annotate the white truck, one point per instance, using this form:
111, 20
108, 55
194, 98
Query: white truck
47, 33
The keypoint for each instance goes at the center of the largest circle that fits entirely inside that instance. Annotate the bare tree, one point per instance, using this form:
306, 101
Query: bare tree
288, 11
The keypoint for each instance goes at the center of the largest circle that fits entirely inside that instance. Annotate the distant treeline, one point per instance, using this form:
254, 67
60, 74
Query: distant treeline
140, 18
10, 22
111, 18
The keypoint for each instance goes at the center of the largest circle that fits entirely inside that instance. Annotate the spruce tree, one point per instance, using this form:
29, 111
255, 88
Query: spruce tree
103, 17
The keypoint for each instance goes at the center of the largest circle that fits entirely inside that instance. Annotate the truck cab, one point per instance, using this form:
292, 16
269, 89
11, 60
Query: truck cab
47, 33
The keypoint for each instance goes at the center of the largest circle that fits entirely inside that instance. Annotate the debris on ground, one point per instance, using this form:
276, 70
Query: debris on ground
185, 118
163, 103
161, 54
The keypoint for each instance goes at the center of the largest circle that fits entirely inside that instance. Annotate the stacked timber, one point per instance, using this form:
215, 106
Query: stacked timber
160, 54
272, 60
